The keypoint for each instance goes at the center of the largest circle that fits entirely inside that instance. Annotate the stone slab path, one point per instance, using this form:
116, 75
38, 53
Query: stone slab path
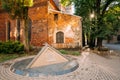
91, 67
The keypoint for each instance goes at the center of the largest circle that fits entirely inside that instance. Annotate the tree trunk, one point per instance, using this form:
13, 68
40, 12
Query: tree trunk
92, 43
25, 31
25, 36
99, 42
83, 39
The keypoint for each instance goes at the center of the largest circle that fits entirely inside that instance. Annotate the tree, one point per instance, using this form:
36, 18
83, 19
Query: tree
101, 12
18, 9
96, 27
65, 2
112, 19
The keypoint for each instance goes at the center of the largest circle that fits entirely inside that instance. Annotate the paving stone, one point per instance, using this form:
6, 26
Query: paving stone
91, 67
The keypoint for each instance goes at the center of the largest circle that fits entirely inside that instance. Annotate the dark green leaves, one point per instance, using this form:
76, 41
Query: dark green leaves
66, 2
15, 8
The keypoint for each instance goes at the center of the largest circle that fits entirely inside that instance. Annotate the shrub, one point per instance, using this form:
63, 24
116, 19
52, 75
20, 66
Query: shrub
18, 47
75, 53
0, 47
11, 47
70, 52
63, 51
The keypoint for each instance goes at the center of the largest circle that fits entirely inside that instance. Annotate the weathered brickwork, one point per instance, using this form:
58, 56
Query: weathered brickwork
38, 14
39, 32
44, 26
2, 27
70, 26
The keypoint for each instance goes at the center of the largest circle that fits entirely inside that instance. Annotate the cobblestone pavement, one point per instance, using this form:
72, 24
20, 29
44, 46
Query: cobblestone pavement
91, 67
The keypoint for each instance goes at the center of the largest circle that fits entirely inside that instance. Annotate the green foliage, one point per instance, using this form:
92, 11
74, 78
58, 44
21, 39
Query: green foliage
13, 8
75, 53
18, 47
16, 8
111, 20
106, 21
70, 52
28, 3
63, 51
5, 57
66, 2
11, 47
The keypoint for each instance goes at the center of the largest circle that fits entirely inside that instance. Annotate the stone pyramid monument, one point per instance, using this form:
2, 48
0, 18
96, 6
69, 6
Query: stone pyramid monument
47, 56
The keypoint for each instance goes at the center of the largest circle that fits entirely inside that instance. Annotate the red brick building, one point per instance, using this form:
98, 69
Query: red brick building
48, 24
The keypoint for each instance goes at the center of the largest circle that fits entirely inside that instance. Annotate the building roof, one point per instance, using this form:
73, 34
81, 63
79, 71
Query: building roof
53, 4
55, 11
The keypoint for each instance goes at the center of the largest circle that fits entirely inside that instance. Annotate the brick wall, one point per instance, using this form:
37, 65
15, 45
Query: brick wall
68, 24
2, 27
38, 14
44, 26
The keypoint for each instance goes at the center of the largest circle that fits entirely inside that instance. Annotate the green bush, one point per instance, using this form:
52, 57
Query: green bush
70, 52
18, 47
75, 53
63, 51
11, 47
0, 46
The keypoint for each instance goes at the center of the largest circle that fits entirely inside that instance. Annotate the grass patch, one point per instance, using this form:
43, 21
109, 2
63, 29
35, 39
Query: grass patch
70, 52
5, 57
9, 56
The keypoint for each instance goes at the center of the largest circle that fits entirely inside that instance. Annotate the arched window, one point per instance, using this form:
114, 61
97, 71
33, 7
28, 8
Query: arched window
18, 29
8, 30
55, 17
60, 37
29, 29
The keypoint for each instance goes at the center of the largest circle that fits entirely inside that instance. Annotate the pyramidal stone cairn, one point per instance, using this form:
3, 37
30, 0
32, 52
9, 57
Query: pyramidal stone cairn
47, 56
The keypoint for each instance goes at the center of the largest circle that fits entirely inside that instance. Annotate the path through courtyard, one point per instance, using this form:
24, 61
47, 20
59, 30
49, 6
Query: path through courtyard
91, 67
